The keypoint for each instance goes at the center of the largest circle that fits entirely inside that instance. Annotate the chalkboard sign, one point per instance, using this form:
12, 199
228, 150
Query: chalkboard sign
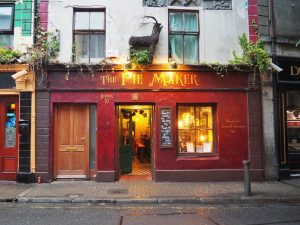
166, 128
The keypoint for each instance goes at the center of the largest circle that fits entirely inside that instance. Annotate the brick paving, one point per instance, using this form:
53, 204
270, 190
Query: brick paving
87, 191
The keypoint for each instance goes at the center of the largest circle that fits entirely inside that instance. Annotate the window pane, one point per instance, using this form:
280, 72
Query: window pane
190, 22
6, 40
190, 49
10, 125
204, 141
82, 48
82, 20
176, 48
97, 47
6, 18
176, 21
97, 20
195, 129
186, 139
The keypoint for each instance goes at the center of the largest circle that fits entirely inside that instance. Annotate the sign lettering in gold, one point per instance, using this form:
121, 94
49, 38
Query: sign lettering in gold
295, 71
162, 79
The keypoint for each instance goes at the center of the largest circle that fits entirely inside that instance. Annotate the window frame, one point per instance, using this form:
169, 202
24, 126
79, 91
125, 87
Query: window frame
183, 33
89, 31
214, 131
11, 30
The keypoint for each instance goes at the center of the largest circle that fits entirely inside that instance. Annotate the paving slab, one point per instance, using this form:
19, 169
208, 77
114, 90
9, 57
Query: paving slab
10, 190
151, 192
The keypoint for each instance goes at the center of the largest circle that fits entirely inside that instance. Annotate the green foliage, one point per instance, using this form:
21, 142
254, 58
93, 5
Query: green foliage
46, 46
253, 54
54, 45
140, 57
8, 55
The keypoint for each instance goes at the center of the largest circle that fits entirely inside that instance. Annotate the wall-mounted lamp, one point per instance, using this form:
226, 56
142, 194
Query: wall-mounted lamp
172, 64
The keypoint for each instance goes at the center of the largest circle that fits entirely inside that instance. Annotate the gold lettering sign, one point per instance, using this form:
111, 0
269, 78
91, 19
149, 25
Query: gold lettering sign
162, 79
295, 71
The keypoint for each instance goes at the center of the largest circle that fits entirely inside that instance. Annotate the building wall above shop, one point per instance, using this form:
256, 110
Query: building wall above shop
219, 29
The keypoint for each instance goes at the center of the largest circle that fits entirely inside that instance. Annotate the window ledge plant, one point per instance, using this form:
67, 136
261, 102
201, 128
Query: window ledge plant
8, 55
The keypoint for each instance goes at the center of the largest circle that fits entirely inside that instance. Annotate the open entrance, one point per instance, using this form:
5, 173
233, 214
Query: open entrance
135, 135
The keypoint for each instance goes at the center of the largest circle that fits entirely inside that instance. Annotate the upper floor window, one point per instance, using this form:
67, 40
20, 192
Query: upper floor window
6, 25
184, 37
89, 35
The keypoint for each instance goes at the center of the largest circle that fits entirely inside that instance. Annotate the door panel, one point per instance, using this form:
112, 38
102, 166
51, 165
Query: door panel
9, 117
72, 141
126, 142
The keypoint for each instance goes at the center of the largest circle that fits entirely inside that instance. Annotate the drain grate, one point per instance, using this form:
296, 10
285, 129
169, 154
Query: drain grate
117, 191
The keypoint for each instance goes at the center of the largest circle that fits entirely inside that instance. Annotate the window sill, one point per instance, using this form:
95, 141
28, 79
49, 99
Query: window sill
191, 157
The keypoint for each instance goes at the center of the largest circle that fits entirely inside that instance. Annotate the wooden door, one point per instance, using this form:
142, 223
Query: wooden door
9, 110
71, 141
126, 142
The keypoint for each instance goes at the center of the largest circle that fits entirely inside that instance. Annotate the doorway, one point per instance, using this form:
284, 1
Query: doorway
9, 117
72, 141
135, 135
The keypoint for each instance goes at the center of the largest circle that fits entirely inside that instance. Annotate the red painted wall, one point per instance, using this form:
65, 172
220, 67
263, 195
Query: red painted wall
43, 13
232, 144
253, 20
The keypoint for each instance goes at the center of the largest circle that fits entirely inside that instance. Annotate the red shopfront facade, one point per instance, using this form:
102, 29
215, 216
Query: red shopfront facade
185, 125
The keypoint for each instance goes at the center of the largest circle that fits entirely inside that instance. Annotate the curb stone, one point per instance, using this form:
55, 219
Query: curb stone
8, 199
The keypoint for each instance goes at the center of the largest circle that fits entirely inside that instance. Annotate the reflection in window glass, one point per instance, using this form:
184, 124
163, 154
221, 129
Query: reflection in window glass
97, 20
195, 129
6, 18
10, 125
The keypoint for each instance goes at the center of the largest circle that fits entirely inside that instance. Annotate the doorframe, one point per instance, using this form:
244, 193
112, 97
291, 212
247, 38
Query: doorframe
55, 142
117, 133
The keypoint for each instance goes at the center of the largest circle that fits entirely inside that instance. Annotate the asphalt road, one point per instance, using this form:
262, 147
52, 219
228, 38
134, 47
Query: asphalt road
63, 214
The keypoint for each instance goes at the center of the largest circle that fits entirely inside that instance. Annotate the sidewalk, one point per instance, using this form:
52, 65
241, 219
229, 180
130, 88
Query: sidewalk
151, 192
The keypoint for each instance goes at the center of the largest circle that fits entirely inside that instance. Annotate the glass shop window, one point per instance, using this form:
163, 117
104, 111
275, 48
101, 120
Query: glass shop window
6, 25
195, 129
89, 35
293, 121
10, 125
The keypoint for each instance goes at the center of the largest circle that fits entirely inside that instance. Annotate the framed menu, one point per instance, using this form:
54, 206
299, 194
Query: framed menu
166, 139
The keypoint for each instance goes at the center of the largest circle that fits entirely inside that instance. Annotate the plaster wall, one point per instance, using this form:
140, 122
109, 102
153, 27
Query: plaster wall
219, 29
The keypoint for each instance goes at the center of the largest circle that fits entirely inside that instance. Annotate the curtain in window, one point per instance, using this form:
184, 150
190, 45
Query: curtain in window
97, 47
176, 21
176, 47
82, 44
184, 46
190, 49
190, 22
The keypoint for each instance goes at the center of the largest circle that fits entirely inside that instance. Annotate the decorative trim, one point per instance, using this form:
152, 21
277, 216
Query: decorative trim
155, 3
185, 3
217, 4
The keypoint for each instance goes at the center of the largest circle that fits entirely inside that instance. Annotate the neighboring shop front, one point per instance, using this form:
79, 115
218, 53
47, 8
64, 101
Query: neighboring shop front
187, 124
16, 123
288, 108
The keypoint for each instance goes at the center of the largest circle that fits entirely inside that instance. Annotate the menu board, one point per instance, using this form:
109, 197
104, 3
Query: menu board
166, 128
